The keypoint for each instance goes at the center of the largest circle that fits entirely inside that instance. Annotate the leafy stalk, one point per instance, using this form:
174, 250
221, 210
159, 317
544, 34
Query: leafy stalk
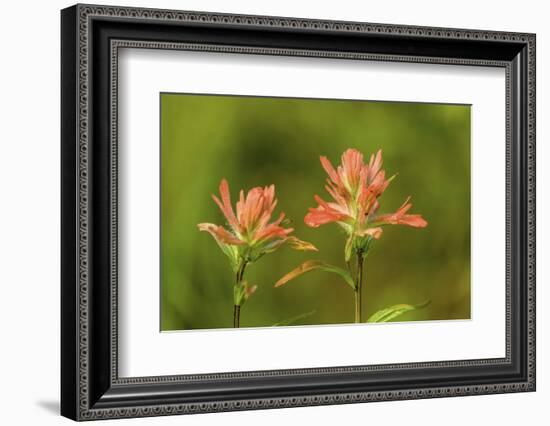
312, 265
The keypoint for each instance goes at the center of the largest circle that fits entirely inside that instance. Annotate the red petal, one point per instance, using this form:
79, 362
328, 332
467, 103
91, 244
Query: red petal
414, 220
375, 164
327, 165
321, 217
225, 205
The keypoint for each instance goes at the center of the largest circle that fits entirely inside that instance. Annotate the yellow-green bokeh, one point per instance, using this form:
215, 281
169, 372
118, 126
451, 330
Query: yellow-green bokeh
254, 141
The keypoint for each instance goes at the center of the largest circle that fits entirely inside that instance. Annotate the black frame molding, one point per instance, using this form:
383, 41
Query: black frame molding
91, 36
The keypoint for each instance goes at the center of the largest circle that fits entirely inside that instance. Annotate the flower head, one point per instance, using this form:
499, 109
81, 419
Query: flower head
250, 234
355, 188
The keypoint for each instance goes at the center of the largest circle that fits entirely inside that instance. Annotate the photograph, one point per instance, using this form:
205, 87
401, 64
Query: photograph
308, 212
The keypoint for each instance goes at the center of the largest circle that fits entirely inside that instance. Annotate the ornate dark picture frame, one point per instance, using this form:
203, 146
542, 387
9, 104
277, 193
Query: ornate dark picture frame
90, 38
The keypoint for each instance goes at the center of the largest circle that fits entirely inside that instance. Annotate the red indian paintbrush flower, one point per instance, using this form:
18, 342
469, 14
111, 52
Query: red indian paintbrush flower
250, 232
250, 235
250, 224
355, 188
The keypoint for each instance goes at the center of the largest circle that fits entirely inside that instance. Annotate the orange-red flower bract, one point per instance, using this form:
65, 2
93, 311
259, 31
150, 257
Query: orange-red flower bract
250, 224
355, 188
400, 218
250, 229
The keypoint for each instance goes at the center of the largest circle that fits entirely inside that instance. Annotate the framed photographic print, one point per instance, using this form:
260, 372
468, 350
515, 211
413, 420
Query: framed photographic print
263, 212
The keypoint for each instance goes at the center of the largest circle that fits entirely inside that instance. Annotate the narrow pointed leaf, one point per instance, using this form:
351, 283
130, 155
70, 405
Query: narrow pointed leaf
394, 311
232, 253
249, 290
348, 249
238, 293
293, 320
312, 265
298, 244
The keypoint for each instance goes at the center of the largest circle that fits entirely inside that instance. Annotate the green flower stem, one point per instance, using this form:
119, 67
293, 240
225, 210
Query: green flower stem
236, 316
357, 306
236, 304
358, 287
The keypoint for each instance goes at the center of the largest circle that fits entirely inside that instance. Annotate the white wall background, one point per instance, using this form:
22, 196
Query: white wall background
29, 211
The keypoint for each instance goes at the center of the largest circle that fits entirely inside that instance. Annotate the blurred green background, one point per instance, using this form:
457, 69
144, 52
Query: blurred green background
253, 141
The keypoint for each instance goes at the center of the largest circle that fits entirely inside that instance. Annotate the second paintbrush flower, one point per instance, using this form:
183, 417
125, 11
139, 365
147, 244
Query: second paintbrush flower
250, 235
355, 188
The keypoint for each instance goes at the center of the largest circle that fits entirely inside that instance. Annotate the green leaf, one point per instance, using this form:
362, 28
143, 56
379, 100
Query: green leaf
349, 248
242, 292
312, 265
238, 294
293, 319
267, 248
231, 252
394, 311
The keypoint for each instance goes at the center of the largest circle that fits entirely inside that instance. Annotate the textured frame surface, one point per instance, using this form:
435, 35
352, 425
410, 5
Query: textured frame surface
91, 388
